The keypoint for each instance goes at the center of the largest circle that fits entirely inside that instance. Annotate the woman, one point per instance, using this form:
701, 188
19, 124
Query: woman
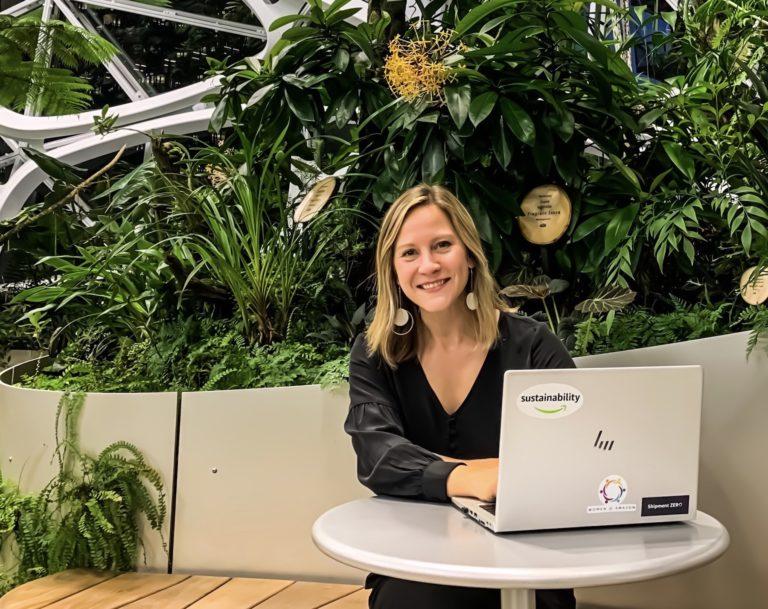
426, 377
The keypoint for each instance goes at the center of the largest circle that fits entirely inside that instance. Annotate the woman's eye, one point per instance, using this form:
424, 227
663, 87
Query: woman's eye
444, 244
408, 253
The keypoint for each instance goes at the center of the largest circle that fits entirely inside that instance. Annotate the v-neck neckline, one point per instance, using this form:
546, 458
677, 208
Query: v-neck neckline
435, 397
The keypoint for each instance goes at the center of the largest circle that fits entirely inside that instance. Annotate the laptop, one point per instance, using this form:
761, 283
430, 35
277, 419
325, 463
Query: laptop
595, 447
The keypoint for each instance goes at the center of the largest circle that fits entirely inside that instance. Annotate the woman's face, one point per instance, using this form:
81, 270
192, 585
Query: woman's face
431, 262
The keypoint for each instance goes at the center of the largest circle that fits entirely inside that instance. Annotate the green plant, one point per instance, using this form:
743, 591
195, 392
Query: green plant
25, 73
539, 288
525, 76
188, 355
701, 167
206, 230
249, 244
88, 515
639, 327
662, 174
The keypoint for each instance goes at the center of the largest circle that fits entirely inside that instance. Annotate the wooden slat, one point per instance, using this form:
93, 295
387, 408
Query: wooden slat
241, 593
307, 595
181, 595
119, 591
356, 600
46, 590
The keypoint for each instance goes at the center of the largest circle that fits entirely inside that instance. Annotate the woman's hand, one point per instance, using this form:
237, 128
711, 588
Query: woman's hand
478, 478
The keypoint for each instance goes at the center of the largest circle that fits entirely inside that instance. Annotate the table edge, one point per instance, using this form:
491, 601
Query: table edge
485, 577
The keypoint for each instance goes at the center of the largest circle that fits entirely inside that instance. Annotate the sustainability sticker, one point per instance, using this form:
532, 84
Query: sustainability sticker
550, 400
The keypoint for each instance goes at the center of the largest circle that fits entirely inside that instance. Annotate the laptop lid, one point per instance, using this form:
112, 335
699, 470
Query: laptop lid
598, 446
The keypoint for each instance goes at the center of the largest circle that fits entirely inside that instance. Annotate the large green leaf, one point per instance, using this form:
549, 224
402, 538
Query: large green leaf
619, 226
259, 95
342, 15
566, 123
680, 158
479, 13
335, 6
481, 106
518, 120
501, 145
55, 168
591, 224
299, 103
611, 298
433, 161
285, 20
625, 170
457, 99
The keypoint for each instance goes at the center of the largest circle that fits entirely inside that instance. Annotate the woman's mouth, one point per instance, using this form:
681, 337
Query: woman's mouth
433, 286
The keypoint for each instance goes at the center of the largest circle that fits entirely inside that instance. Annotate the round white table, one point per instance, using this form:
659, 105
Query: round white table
436, 543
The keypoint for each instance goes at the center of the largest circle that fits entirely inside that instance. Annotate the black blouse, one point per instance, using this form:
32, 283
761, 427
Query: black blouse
397, 423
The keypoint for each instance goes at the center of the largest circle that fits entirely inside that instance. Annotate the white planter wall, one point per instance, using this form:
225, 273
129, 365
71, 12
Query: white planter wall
19, 356
27, 441
732, 478
281, 459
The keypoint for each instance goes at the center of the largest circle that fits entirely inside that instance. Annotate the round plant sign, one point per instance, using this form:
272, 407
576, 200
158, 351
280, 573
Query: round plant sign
755, 291
315, 200
546, 214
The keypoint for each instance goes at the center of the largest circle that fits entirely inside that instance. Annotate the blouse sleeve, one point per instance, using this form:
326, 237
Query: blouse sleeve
387, 462
547, 350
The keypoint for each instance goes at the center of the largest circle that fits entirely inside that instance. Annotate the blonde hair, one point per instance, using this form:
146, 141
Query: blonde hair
393, 348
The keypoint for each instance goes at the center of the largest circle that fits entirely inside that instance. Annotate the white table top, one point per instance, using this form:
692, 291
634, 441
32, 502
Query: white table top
436, 543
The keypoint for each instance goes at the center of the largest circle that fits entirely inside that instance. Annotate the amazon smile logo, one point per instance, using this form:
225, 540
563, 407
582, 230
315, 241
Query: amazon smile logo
550, 400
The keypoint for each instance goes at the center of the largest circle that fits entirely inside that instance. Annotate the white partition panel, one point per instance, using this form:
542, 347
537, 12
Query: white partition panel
256, 467
147, 420
732, 488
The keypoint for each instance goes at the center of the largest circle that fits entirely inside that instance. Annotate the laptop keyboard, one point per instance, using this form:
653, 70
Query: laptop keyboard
489, 507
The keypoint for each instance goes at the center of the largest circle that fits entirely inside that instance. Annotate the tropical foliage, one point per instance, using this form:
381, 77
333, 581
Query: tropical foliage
88, 515
26, 72
665, 176
665, 173
188, 355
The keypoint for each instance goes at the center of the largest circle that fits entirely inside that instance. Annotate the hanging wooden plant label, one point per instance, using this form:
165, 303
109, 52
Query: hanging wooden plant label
315, 200
754, 292
547, 214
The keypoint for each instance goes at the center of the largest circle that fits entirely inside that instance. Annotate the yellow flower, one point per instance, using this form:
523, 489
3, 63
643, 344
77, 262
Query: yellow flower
415, 68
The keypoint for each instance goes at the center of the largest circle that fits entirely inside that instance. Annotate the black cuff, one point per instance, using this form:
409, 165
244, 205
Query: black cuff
434, 478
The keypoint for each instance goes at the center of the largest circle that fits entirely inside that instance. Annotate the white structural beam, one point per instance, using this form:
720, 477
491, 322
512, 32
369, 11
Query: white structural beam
171, 14
24, 181
22, 8
20, 127
124, 76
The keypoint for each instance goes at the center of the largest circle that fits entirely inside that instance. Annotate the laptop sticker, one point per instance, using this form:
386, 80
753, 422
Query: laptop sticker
550, 400
665, 506
612, 492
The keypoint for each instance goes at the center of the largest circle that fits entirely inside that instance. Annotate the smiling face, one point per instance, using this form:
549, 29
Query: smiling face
431, 262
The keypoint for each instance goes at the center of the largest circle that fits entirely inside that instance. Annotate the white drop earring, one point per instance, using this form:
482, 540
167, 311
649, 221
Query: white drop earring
471, 297
402, 318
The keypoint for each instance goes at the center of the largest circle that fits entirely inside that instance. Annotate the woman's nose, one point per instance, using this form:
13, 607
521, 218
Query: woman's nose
428, 264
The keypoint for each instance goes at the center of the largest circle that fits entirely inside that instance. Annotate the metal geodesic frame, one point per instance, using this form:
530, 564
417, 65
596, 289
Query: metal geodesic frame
69, 137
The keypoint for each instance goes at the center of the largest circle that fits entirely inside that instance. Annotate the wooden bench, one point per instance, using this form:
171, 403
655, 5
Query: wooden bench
85, 589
